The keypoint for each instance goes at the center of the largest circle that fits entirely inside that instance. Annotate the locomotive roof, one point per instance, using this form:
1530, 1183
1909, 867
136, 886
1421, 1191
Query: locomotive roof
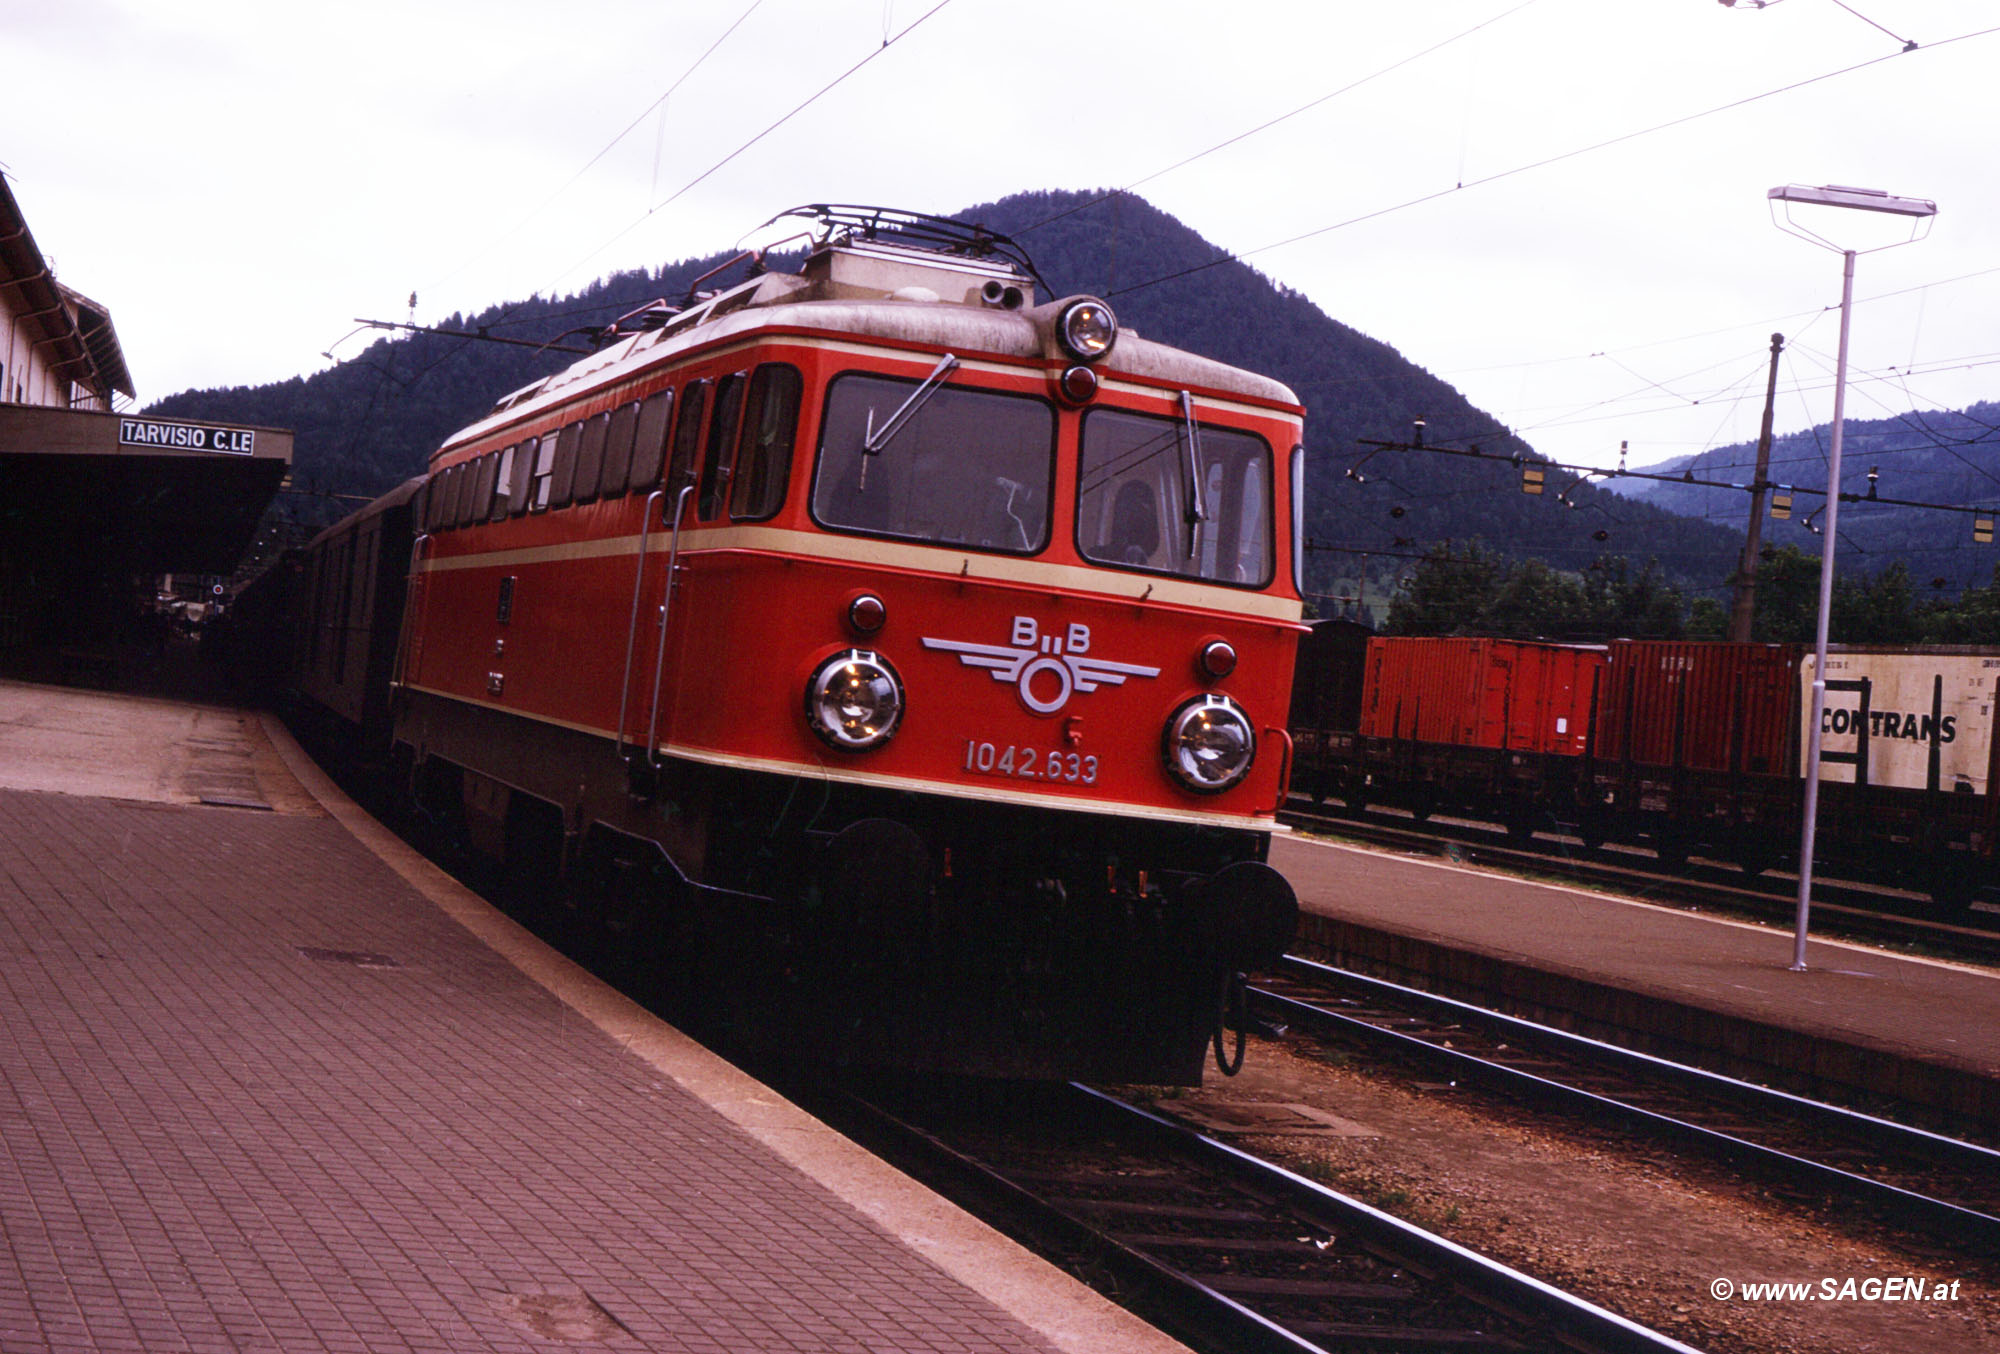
909, 315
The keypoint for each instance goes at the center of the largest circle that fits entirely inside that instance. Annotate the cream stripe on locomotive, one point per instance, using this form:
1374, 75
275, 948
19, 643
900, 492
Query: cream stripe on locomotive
896, 555
817, 770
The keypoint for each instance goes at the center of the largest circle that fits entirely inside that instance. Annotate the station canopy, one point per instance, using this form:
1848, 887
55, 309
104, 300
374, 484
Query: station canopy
106, 492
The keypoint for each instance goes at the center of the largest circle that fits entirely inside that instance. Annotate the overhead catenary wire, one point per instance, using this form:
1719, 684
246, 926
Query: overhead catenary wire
1543, 163
1282, 118
800, 107
607, 148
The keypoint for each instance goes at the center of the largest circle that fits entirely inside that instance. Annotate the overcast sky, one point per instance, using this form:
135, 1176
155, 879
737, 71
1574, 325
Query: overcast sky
238, 180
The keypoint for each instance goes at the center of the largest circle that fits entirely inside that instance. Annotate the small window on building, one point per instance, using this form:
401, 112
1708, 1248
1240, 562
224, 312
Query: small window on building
764, 457
649, 443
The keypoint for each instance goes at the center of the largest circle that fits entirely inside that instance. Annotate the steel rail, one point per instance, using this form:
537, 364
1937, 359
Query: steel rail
1207, 1314
1579, 1324
1959, 1221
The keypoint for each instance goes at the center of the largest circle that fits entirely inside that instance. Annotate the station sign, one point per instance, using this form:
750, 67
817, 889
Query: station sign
151, 432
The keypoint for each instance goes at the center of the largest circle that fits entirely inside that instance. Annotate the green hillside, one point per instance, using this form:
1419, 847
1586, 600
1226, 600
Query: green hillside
369, 422
1949, 457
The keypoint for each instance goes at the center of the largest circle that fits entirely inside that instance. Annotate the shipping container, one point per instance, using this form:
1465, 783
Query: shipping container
1700, 706
1511, 695
1903, 718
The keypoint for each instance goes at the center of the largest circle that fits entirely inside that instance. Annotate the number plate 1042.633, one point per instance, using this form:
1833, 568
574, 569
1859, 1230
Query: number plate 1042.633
1029, 763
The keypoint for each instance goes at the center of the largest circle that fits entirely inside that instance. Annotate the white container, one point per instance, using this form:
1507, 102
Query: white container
1928, 722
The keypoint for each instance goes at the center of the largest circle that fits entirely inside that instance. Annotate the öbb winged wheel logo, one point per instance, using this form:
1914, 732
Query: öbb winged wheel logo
1032, 654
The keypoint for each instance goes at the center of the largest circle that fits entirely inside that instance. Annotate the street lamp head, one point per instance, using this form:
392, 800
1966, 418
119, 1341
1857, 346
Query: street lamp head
1865, 199
1918, 212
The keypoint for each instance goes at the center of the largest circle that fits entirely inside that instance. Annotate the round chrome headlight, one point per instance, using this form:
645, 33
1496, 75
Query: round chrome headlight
854, 700
1209, 744
1087, 329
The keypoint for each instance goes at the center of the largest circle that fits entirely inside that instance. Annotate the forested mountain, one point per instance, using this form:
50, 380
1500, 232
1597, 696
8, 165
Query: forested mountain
370, 421
1947, 458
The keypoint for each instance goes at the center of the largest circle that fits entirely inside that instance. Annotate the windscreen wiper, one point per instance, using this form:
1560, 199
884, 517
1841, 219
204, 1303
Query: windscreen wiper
1190, 440
873, 439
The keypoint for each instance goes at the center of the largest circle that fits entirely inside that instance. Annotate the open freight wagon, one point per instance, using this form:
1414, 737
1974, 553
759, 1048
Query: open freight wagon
1493, 726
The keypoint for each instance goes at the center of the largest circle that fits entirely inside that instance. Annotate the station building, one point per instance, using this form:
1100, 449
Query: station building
96, 500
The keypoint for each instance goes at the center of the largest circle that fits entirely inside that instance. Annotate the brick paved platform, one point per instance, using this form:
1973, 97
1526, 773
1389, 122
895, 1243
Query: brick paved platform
261, 1088
1859, 1019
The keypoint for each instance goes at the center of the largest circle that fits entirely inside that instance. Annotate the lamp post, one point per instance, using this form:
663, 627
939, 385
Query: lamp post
1919, 211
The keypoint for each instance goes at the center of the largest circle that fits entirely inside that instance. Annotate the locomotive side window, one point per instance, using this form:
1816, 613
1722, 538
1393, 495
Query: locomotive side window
543, 480
524, 475
1151, 497
687, 435
454, 494
966, 467
590, 458
503, 485
721, 441
764, 460
649, 442
480, 504
618, 449
562, 482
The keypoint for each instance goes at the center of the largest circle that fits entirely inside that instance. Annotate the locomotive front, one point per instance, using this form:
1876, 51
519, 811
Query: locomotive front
1045, 684
967, 697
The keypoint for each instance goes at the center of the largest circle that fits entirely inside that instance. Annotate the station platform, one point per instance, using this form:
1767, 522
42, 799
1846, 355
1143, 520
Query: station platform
269, 1081
1858, 1022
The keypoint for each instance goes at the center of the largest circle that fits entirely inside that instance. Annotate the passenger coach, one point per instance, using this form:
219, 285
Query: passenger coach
913, 653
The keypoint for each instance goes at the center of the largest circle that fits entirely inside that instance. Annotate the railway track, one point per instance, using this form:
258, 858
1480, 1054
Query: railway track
1857, 911
1222, 1250
1947, 1187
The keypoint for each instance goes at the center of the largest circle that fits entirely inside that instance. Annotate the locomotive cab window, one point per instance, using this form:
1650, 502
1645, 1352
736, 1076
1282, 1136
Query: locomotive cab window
764, 454
687, 435
715, 465
964, 467
1155, 495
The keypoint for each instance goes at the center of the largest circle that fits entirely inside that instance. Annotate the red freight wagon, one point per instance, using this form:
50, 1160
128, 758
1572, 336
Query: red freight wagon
1695, 744
1449, 722
1486, 693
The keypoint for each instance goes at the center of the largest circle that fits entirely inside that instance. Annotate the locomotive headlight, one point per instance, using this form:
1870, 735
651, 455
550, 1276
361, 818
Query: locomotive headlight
1087, 329
854, 700
1209, 744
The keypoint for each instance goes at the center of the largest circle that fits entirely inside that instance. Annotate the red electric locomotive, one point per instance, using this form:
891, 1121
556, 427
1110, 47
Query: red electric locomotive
910, 650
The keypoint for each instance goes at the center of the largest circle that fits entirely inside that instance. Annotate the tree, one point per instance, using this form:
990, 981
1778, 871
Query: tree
1446, 593
1879, 610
